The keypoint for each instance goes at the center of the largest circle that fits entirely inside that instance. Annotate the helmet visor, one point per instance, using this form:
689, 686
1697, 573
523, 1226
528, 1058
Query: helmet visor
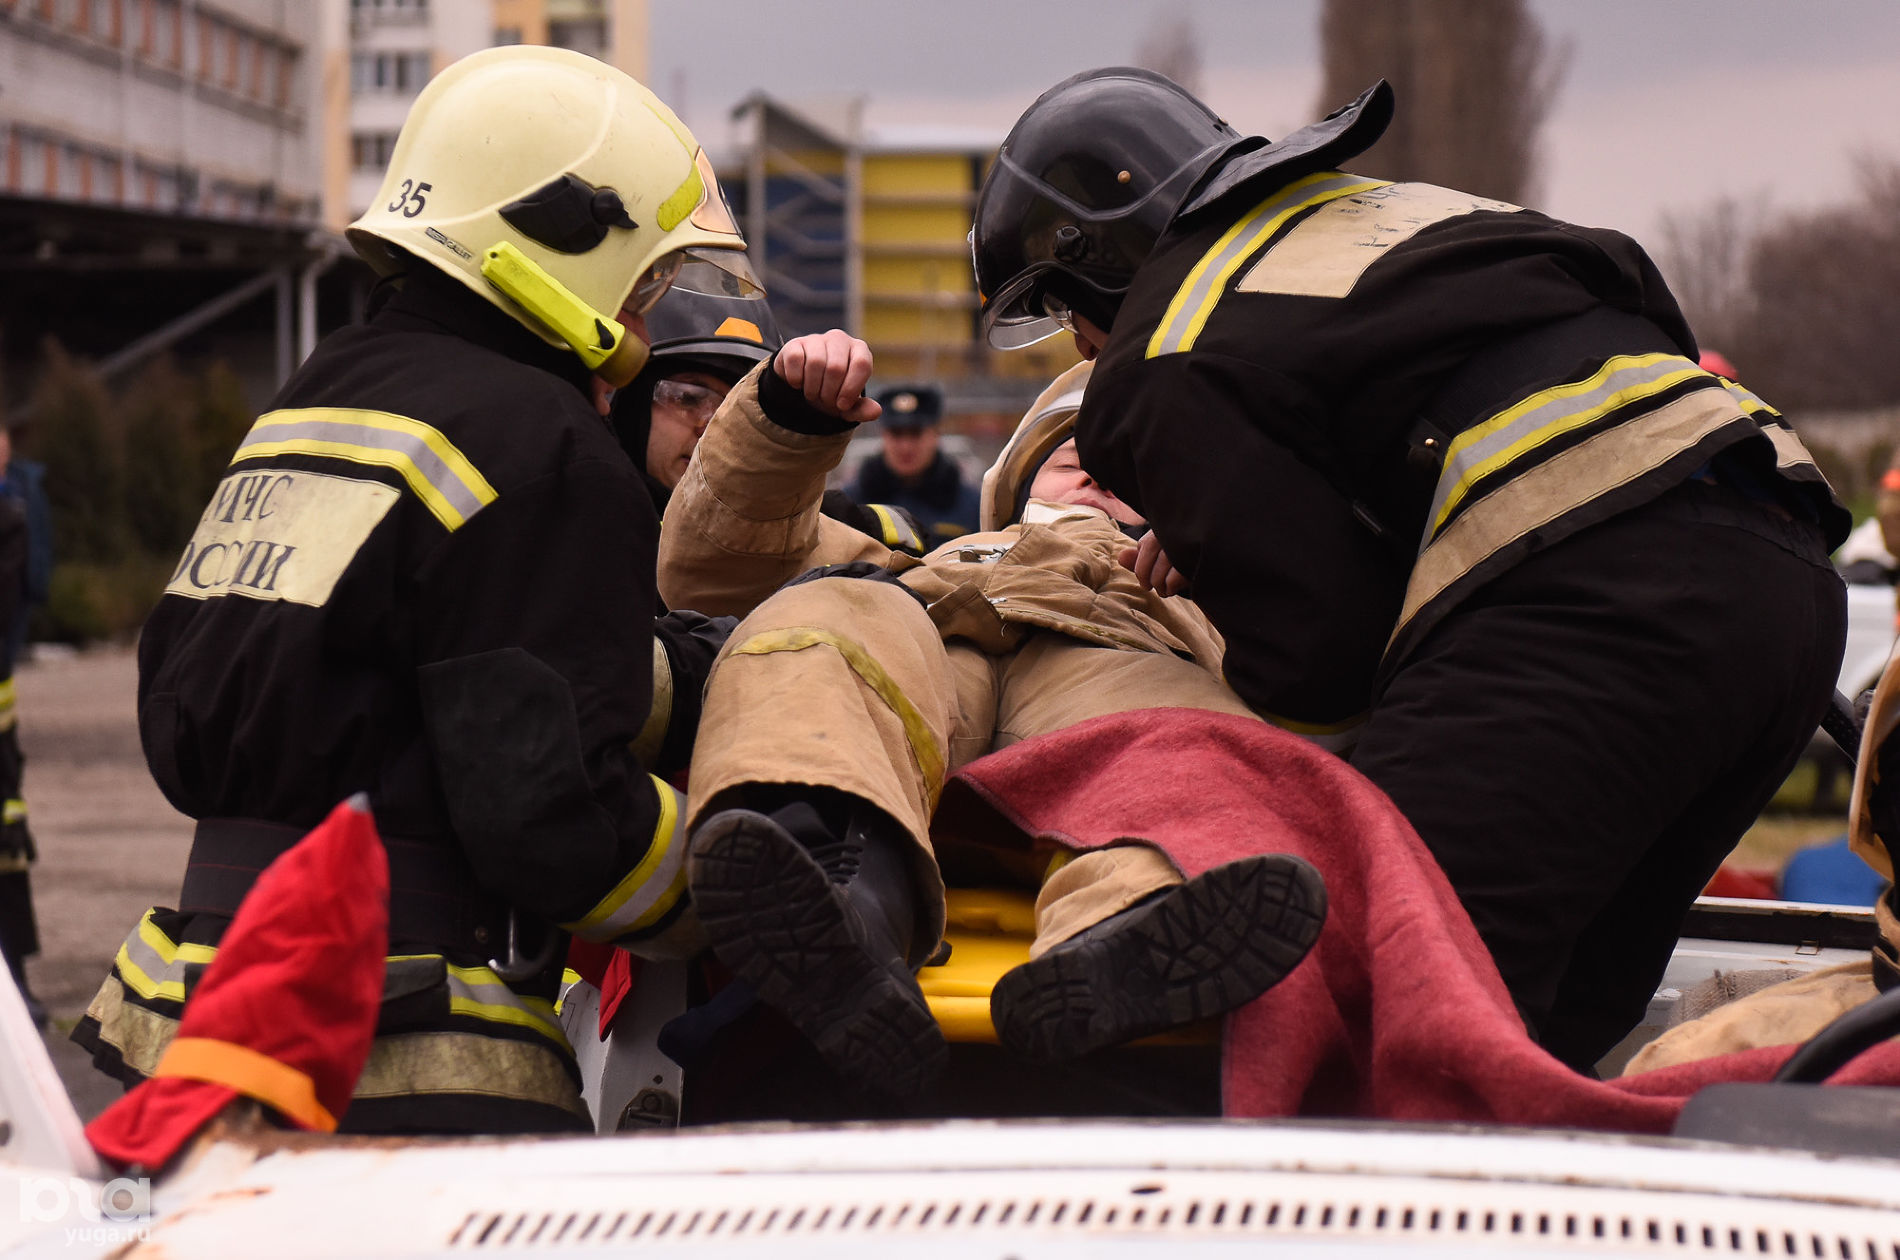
712, 214
718, 273
653, 283
1017, 316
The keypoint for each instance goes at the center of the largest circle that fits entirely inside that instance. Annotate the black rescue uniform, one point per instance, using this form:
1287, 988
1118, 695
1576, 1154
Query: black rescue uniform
1446, 475
428, 575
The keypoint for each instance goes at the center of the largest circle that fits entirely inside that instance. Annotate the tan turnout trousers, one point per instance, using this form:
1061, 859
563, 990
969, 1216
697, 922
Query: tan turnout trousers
850, 684
847, 684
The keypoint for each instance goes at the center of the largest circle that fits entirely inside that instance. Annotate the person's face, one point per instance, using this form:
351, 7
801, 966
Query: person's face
682, 405
1061, 480
1089, 339
909, 451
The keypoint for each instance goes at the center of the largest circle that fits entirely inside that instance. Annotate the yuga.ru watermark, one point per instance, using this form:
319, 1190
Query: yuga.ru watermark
118, 1211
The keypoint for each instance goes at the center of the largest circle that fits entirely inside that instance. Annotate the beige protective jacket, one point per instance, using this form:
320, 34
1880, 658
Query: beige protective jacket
851, 685
745, 519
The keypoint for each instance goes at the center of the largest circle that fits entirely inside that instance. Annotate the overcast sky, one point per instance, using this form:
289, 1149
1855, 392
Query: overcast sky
1667, 105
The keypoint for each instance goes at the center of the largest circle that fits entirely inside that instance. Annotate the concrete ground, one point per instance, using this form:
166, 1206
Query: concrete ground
110, 845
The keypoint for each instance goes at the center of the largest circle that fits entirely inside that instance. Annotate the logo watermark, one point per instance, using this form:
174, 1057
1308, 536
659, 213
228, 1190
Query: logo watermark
120, 1211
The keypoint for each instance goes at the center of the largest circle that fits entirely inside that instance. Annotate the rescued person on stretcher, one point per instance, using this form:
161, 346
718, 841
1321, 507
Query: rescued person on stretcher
860, 677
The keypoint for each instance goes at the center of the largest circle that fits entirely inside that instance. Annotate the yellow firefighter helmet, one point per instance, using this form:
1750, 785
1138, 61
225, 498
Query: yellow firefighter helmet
1049, 422
559, 189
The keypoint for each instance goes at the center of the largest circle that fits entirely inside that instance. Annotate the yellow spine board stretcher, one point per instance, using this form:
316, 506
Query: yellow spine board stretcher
989, 931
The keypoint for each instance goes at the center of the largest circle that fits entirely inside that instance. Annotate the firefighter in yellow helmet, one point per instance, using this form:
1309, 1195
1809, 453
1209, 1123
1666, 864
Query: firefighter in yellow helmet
427, 576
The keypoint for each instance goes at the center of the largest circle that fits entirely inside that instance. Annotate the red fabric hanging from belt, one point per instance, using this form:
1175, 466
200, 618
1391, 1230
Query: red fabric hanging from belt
286, 1012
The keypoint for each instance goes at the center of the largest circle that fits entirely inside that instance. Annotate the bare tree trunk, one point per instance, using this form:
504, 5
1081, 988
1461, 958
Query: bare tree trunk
1475, 80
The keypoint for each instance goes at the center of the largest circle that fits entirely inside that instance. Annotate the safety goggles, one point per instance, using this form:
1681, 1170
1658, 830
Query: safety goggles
694, 401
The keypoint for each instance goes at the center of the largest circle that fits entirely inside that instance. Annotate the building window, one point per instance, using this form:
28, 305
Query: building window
171, 33
371, 150
400, 73
583, 35
286, 72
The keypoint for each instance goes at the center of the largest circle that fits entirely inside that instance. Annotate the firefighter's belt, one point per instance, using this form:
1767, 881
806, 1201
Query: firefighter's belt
433, 897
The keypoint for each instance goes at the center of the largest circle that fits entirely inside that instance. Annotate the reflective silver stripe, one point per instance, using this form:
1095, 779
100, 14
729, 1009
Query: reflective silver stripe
479, 992
1532, 421
896, 533
440, 475
652, 737
1562, 484
143, 967
654, 885
1187, 313
153, 966
1749, 400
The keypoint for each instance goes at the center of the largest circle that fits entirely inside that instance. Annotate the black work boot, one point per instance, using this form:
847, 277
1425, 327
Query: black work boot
816, 914
1184, 954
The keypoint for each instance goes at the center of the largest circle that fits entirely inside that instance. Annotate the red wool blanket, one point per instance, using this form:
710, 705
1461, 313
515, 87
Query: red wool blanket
1398, 1013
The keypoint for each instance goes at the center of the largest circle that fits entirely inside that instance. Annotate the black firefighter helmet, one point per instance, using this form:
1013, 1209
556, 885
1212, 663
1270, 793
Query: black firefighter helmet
724, 335
1082, 188
1093, 173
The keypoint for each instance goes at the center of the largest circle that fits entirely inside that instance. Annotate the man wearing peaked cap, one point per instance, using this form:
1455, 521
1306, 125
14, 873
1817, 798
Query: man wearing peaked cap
910, 470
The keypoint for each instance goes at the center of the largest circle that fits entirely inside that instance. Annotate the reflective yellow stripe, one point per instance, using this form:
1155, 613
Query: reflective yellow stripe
1560, 485
171, 951
1749, 401
1332, 736
896, 533
1194, 301
923, 745
1530, 422
681, 202
893, 537
440, 475
467, 986
152, 965
144, 985
520, 1016
14, 811
662, 860
8, 697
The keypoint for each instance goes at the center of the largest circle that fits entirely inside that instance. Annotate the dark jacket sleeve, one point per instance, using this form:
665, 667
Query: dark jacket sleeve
535, 673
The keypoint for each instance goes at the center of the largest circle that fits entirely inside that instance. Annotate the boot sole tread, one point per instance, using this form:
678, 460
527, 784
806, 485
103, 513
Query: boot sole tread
1217, 942
774, 917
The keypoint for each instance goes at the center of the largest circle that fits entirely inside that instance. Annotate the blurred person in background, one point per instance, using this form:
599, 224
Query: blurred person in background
910, 469
24, 482
19, 929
